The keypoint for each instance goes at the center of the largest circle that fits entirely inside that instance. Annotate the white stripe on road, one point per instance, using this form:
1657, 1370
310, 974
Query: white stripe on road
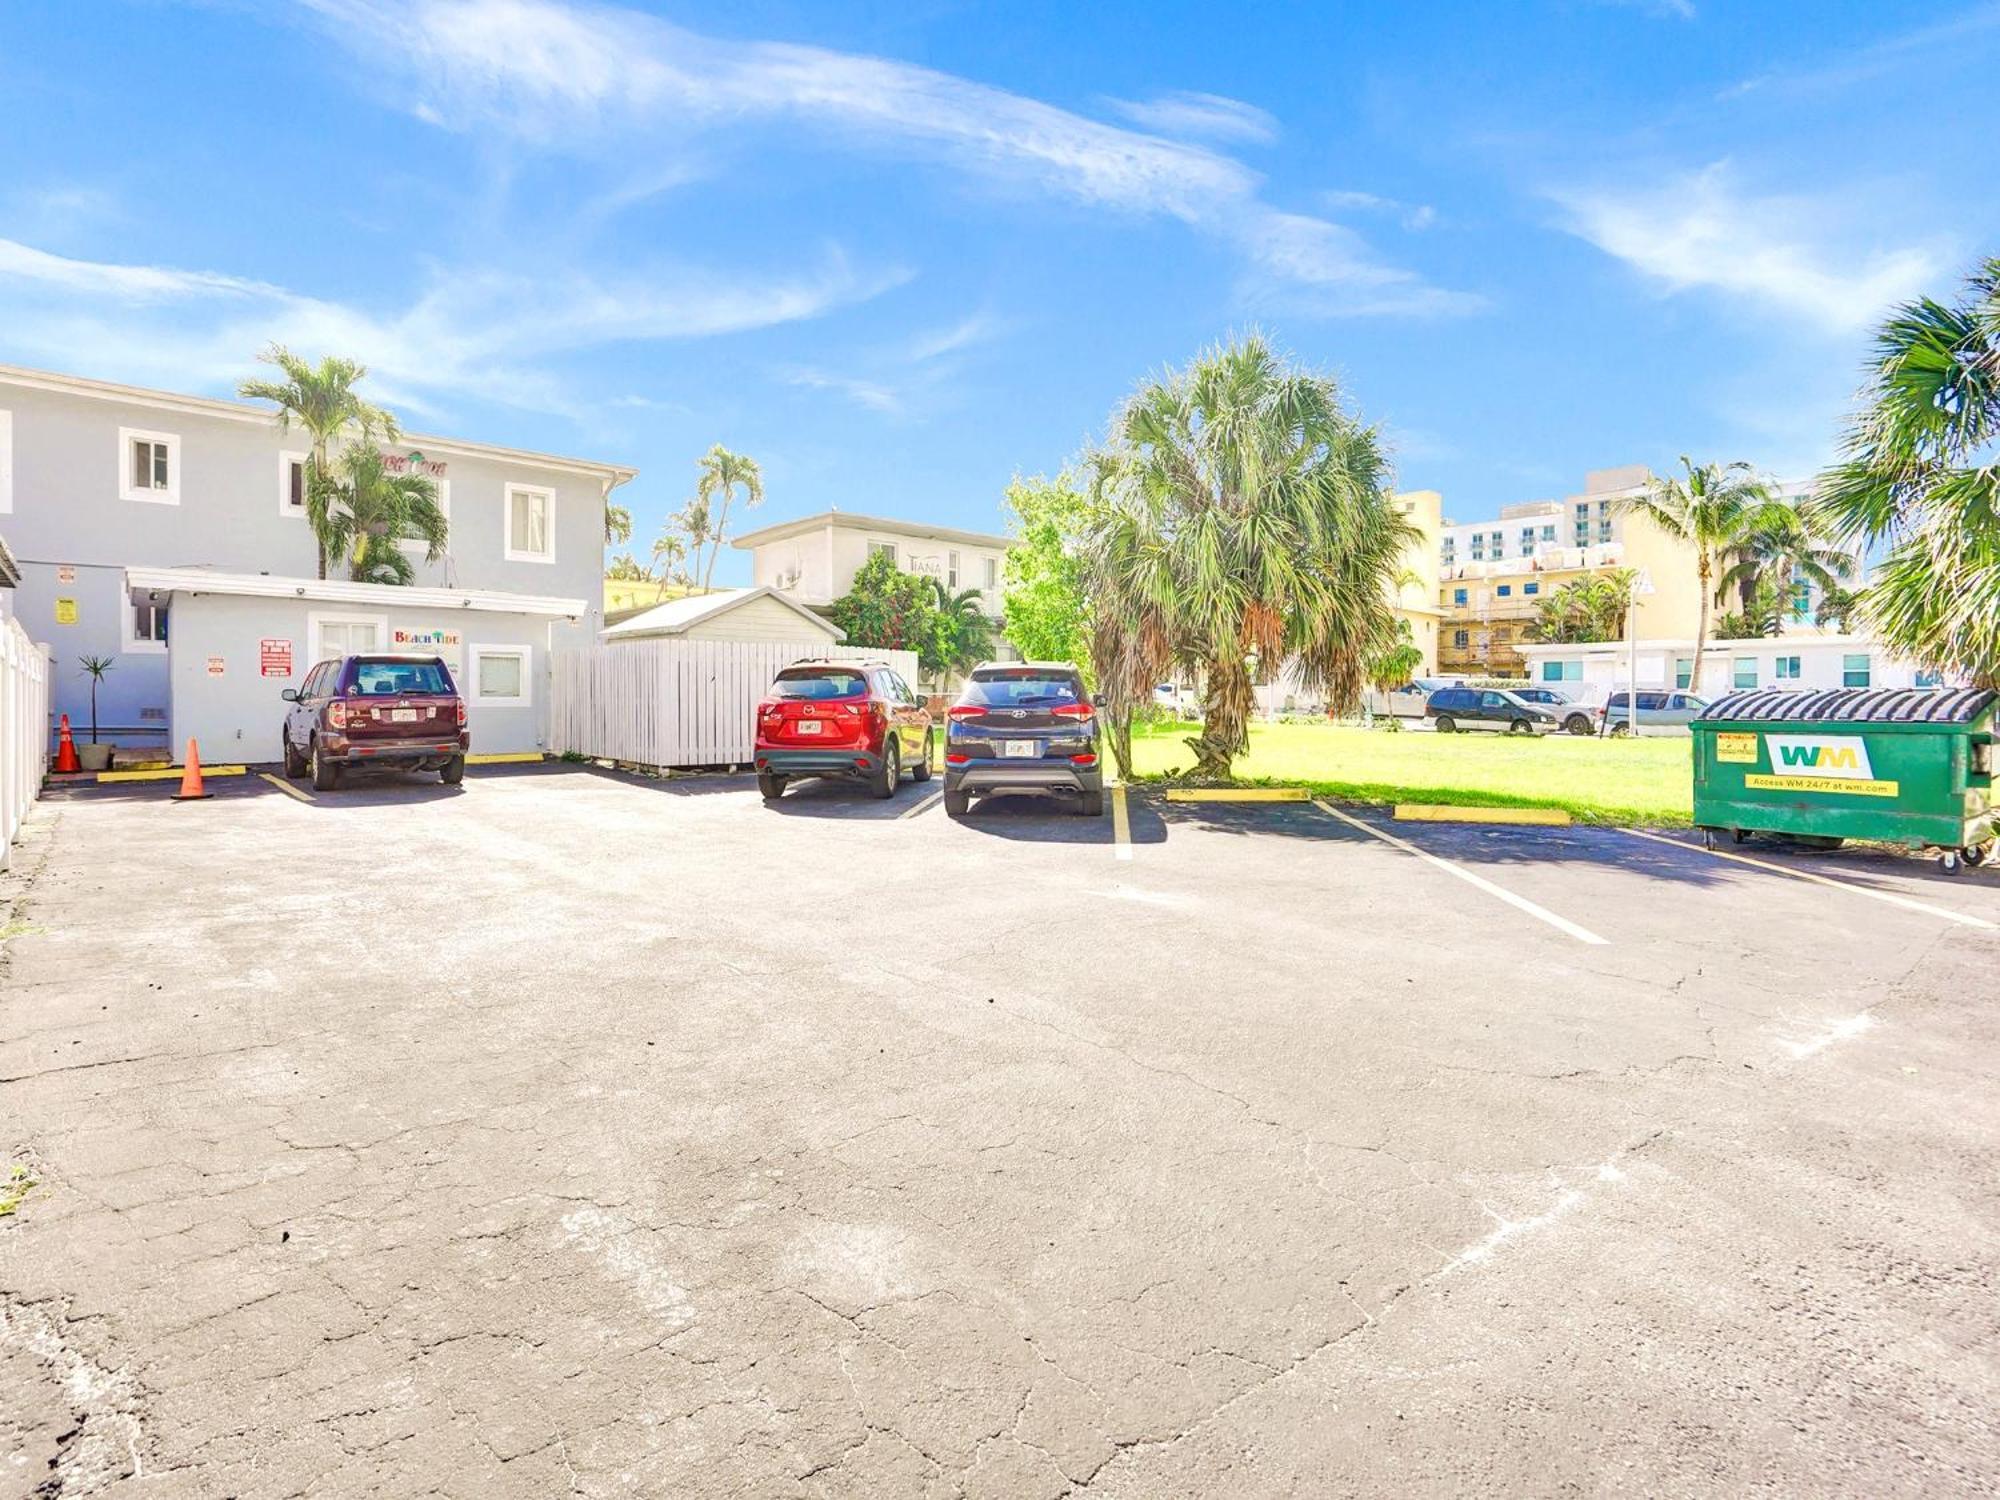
924, 806
1121, 823
1840, 885
1519, 903
286, 787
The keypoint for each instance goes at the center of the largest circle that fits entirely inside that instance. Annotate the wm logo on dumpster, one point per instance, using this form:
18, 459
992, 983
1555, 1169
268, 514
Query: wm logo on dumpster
1841, 756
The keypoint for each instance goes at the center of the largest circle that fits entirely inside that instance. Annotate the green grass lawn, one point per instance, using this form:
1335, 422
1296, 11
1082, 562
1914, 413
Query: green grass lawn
1598, 781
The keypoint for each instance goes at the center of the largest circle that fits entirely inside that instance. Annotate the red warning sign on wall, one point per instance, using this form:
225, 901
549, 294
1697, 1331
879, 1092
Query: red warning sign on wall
275, 657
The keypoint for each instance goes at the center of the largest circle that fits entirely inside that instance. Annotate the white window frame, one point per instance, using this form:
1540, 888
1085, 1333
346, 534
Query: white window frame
513, 553
416, 547
951, 571
171, 495
992, 574
285, 507
317, 620
6, 463
475, 654
887, 549
129, 642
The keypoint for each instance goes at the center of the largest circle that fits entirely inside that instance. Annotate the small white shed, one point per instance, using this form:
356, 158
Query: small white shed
759, 614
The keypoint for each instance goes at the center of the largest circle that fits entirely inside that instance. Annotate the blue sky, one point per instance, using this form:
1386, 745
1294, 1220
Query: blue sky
901, 251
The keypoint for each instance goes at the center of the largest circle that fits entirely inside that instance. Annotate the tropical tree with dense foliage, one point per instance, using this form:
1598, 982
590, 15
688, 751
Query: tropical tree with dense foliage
1838, 609
625, 568
1044, 588
1920, 475
322, 399
378, 510
1584, 609
722, 474
617, 525
894, 610
1762, 614
964, 630
1243, 524
1782, 545
1710, 507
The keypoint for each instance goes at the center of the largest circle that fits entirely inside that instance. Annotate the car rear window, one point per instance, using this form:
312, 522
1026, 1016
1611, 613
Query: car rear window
818, 683
1019, 689
390, 679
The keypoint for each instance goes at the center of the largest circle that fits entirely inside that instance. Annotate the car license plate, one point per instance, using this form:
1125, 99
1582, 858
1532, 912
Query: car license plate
403, 716
807, 726
1020, 749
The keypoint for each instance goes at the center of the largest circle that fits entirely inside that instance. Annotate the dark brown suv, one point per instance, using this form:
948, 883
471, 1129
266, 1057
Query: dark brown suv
376, 710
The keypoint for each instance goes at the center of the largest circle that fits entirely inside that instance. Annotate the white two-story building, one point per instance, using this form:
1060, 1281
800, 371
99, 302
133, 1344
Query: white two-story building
167, 534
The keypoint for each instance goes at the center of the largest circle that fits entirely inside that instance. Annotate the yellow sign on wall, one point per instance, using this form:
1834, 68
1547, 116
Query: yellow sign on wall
65, 611
1736, 749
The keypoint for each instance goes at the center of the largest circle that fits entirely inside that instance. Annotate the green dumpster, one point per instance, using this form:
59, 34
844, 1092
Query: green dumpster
1909, 766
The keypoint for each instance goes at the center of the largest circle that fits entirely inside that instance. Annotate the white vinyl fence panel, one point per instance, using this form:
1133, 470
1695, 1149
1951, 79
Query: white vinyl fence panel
24, 729
677, 702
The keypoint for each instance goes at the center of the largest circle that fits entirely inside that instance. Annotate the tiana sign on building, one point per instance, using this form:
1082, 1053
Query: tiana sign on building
423, 641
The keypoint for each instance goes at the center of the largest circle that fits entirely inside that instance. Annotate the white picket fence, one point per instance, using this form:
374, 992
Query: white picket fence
674, 702
24, 729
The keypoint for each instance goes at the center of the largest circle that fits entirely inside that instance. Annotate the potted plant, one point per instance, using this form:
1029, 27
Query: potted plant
94, 756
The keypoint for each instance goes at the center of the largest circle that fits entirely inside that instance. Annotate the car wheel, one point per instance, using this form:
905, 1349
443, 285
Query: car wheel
1520, 726
1577, 724
1445, 725
770, 785
1619, 730
452, 772
891, 775
921, 771
295, 763
1090, 805
957, 804
325, 773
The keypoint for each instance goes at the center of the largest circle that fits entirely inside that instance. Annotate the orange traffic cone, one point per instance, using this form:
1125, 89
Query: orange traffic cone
66, 749
191, 788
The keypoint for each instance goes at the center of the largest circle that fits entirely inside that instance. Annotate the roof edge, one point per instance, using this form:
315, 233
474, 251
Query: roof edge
341, 591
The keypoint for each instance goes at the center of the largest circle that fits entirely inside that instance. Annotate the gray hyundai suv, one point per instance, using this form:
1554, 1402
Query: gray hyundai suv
1023, 726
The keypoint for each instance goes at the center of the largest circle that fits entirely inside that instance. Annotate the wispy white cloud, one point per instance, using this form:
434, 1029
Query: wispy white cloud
1409, 215
1920, 48
871, 394
1201, 116
1796, 256
964, 334
480, 333
574, 75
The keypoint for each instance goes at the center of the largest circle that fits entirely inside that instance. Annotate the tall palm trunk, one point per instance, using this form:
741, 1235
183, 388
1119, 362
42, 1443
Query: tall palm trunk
1704, 567
1227, 699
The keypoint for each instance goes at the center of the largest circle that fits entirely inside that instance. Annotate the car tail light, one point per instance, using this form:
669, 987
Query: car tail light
953, 758
1085, 759
336, 714
967, 711
1073, 711
458, 710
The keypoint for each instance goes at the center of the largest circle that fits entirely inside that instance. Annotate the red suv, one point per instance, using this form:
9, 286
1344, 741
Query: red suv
856, 719
376, 710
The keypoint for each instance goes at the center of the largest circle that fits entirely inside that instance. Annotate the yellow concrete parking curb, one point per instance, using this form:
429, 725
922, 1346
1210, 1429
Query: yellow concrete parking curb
1427, 812
1238, 794
171, 773
505, 758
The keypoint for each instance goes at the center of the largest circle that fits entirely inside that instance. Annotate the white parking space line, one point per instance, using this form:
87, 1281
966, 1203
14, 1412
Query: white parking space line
1121, 823
1519, 903
924, 806
1907, 903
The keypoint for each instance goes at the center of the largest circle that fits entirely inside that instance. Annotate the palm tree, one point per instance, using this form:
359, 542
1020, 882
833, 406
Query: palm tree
966, 629
721, 472
1243, 513
323, 401
695, 521
1781, 544
1837, 609
1918, 473
617, 525
1711, 508
383, 510
670, 559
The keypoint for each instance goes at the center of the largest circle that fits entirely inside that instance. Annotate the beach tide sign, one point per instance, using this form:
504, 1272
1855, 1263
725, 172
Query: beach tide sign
420, 640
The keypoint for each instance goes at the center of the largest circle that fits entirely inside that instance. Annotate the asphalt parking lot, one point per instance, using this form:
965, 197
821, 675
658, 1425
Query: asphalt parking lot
566, 1133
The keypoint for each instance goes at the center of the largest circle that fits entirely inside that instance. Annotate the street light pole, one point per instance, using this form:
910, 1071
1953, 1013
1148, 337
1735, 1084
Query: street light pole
1642, 586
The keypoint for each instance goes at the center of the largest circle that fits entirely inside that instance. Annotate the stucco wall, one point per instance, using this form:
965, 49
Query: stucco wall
759, 620
237, 715
67, 513
826, 560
